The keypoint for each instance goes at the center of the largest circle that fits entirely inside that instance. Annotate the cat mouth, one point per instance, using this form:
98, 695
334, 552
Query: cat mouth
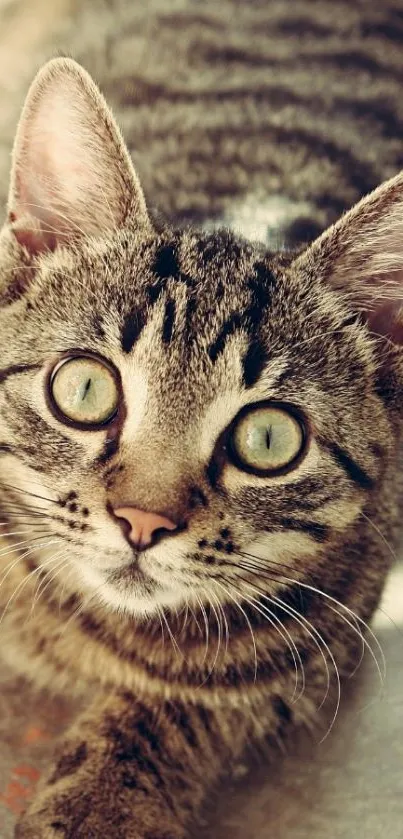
132, 575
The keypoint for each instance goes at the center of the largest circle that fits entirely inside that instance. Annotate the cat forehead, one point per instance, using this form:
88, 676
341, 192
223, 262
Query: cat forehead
213, 271
176, 298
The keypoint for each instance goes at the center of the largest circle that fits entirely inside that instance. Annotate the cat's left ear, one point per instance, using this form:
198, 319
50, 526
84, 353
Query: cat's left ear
72, 175
362, 256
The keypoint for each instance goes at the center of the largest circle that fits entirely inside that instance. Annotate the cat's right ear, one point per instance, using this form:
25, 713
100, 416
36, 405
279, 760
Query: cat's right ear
72, 175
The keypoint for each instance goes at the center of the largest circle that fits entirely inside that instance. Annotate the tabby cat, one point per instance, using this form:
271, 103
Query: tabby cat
199, 433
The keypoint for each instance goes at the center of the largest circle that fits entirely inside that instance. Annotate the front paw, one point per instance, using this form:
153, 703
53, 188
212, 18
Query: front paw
80, 819
85, 798
63, 805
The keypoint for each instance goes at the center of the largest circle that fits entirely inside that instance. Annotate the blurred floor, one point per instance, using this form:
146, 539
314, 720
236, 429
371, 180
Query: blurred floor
349, 786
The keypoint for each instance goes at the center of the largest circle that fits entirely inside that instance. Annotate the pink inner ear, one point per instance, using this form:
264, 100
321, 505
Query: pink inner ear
30, 235
387, 320
72, 175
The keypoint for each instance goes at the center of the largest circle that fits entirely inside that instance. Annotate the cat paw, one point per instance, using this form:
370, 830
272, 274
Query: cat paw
50, 821
68, 811
43, 826
27, 829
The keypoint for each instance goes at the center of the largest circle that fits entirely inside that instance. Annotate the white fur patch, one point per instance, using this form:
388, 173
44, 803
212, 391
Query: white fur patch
263, 219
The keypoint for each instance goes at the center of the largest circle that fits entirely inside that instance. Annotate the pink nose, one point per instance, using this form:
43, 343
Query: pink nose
143, 525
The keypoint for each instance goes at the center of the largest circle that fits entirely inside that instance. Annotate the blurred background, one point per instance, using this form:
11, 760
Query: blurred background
351, 785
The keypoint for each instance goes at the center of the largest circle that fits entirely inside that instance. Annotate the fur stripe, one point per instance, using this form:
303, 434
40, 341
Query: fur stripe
169, 321
254, 362
110, 449
166, 264
260, 288
27, 424
5, 448
302, 27
352, 469
166, 267
131, 330
16, 369
318, 531
229, 328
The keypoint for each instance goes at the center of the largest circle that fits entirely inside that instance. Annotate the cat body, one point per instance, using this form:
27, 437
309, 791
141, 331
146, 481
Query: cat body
200, 472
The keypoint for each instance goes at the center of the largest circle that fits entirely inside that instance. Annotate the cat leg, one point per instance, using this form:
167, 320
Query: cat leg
130, 770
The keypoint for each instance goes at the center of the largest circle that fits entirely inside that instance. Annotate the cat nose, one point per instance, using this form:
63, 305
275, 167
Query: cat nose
143, 526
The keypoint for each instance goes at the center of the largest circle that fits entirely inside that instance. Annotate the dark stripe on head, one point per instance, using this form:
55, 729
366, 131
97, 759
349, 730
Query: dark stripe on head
229, 328
132, 327
387, 387
97, 325
310, 494
285, 375
169, 320
166, 267
191, 307
165, 263
260, 288
15, 369
353, 470
254, 362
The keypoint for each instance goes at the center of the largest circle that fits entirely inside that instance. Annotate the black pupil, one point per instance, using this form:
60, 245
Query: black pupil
86, 389
268, 436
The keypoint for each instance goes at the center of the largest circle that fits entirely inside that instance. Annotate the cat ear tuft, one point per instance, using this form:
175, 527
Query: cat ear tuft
72, 175
362, 257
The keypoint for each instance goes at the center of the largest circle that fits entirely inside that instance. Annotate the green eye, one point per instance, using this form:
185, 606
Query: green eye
84, 391
267, 439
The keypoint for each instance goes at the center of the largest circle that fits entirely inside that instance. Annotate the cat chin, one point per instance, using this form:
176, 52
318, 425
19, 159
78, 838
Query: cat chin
141, 597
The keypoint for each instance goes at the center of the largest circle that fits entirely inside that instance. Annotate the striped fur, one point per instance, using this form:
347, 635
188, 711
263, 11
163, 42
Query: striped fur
228, 109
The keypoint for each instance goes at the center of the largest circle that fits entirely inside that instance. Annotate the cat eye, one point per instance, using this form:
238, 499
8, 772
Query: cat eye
267, 439
84, 391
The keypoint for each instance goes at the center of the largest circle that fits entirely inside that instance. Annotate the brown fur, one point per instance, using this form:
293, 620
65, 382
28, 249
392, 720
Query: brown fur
200, 325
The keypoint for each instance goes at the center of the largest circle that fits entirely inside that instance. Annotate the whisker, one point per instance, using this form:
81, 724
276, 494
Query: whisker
79, 610
16, 547
211, 669
171, 635
59, 556
24, 581
288, 640
71, 573
308, 627
206, 626
224, 619
380, 534
382, 673
161, 624
245, 616
26, 492
219, 633
194, 616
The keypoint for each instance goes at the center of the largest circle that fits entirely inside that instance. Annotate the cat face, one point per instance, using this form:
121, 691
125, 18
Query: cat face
233, 393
